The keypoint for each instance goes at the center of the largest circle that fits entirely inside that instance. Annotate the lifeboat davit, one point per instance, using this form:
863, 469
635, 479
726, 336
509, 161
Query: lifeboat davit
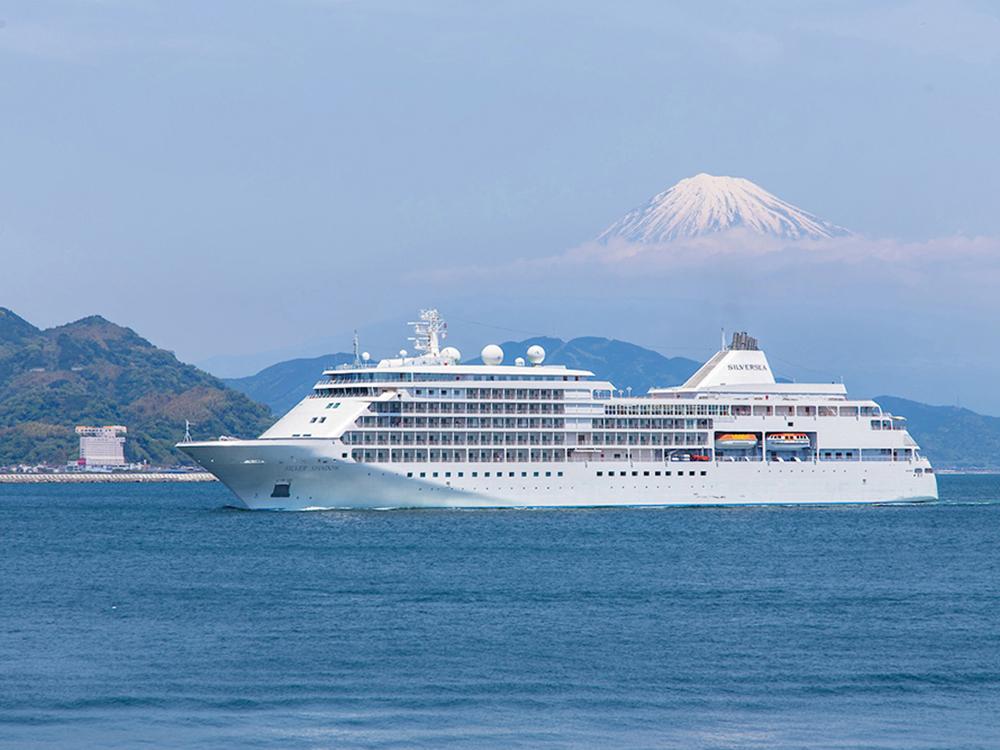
787, 441
736, 440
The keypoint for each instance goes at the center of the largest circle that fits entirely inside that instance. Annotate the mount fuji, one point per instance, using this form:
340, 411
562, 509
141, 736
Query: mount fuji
706, 205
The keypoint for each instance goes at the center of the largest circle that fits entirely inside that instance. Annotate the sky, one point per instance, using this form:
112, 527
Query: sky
242, 182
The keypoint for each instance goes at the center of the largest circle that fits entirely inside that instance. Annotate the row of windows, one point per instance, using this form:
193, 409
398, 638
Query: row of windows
486, 474
346, 392
633, 438
650, 473
549, 395
888, 424
506, 394
741, 410
445, 455
560, 455
397, 406
479, 423
362, 437
374, 376
559, 423
396, 437
678, 410
633, 423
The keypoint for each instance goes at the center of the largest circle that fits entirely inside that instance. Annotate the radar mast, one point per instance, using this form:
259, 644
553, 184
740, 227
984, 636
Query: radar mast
429, 332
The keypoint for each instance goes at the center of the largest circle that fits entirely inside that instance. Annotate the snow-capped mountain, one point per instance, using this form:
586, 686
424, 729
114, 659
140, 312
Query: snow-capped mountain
706, 204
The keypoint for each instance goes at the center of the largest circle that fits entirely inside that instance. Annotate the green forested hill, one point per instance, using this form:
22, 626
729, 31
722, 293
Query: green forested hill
95, 372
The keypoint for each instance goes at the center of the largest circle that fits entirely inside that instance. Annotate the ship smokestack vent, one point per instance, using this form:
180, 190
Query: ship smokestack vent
743, 342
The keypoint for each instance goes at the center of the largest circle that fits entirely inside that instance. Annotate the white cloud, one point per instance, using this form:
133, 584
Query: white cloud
739, 250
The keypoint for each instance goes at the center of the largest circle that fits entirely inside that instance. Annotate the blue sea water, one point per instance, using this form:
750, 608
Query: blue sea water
152, 616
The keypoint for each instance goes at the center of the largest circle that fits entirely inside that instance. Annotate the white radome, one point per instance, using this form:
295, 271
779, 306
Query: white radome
536, 354
451, 354
365, 356
492, 355
519, 362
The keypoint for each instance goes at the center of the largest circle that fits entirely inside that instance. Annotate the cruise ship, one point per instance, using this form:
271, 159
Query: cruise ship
427, 431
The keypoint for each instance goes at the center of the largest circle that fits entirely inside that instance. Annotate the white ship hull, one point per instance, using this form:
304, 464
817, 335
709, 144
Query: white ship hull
315, 475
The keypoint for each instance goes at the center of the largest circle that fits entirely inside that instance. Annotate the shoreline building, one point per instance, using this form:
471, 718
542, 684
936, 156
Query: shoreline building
102, 446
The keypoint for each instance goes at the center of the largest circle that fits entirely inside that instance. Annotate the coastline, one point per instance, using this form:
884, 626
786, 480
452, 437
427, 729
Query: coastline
116, 477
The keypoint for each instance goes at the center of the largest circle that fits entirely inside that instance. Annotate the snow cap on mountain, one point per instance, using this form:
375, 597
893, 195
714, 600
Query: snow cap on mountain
705, 205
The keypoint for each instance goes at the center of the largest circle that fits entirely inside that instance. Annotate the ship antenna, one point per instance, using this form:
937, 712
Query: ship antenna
723, 330
187, 431
357, 349
429, 332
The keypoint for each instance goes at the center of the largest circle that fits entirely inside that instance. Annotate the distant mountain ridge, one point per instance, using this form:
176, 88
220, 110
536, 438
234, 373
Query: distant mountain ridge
92, 371
284, 384
706, 204
625, 365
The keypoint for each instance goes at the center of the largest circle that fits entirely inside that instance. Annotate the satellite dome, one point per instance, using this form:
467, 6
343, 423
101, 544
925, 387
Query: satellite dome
402, 352
536, 354
491, 354
365, 356
451, 354
519, 361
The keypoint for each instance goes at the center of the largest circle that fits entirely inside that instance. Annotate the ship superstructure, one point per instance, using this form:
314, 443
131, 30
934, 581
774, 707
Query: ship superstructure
430, 431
